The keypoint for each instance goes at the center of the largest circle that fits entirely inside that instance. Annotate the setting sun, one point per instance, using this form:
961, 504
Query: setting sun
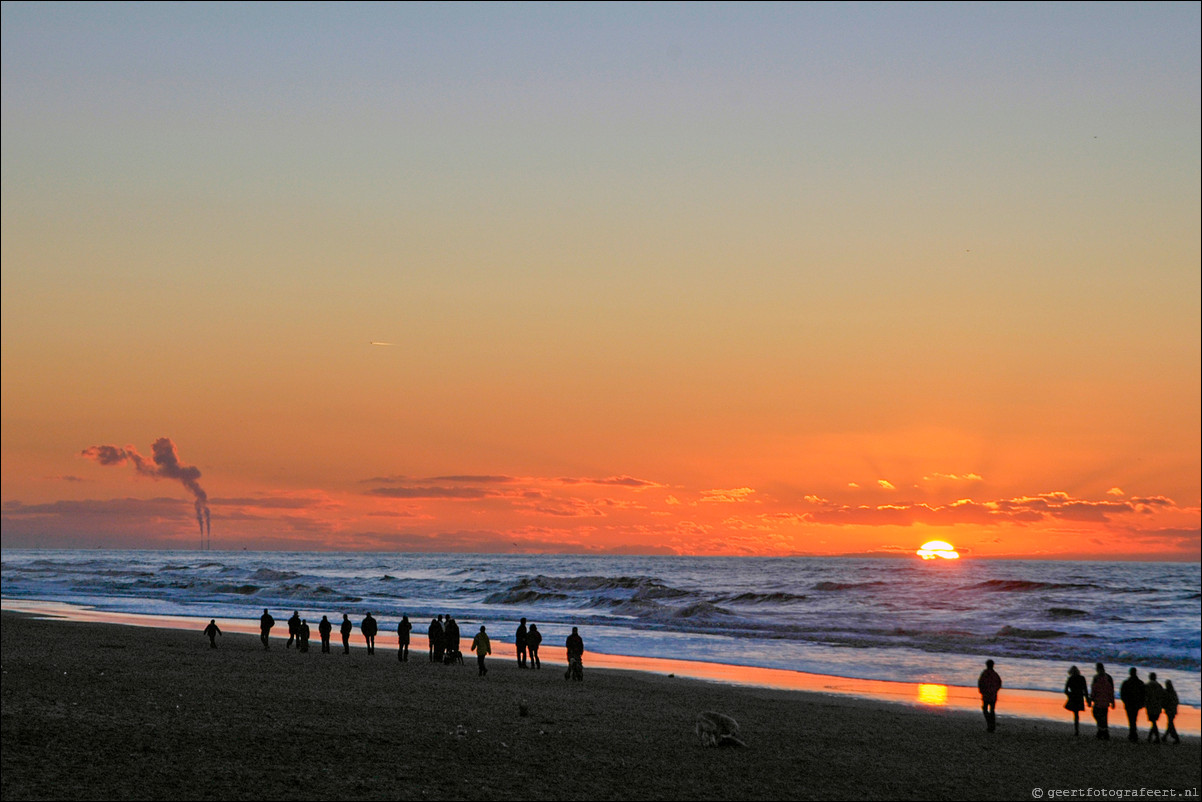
935, 549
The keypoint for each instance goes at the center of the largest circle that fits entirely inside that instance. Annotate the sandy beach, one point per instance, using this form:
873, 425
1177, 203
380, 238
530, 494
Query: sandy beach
94, 711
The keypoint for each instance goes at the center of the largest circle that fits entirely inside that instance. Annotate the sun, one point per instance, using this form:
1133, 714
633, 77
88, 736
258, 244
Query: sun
938, 549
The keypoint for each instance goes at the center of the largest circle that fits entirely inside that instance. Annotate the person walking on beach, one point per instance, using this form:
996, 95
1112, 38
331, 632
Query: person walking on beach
1078, 696
450, 634
345, 630
434, 633
293, 629
324, 629
212, 631
534, 639
1132, 694
1170, 711
520, 640
369, 628
575, 647
302, 636
989, 683
402, 638
1153, 704
1101, 691
481, 647
266, 622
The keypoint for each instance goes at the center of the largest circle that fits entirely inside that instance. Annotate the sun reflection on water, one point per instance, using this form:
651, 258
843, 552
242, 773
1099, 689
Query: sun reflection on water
929, 694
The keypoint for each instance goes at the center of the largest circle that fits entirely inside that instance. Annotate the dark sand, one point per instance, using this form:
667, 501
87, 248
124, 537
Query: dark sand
101, 711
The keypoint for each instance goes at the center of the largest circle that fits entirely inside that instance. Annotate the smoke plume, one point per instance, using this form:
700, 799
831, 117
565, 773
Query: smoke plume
164, 464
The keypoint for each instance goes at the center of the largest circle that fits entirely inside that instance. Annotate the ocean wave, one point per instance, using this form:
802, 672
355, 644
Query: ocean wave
528, 596
641, 587
1066, 612
241, 590
1037, 634
779, 597
271, 575
1019, 585
848, 585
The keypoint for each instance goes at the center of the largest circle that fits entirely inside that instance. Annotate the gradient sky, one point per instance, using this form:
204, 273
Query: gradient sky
702, 279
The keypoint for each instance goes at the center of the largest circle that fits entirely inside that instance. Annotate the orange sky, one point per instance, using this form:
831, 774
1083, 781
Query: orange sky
720, 280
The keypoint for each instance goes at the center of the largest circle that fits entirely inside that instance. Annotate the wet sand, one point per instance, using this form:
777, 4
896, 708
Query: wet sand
94, 711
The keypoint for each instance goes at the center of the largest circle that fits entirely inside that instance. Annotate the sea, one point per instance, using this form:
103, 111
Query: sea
895, 619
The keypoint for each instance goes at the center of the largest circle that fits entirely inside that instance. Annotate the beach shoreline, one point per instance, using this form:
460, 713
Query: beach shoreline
1026, 703
94, 710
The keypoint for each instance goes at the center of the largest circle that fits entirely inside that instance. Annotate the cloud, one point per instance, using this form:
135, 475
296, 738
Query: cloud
622, 481
886, 484
1115, 491
430, 492
735, 495
953, 477
1021, 510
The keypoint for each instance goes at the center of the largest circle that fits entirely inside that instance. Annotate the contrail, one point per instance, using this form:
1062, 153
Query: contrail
166, 465
377, 342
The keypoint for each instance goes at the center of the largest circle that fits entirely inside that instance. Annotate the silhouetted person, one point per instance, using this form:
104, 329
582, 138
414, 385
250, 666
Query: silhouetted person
434, 633
266, 622
520, 640
369, 628
1153, 704
575, 647
534, 639
212, 631
402, 639
1101, 690
1077, 692
1170, 711
346, 629
450, 633
989, 683
481, 647
302, 636
1132, 694
324, 629
293, 629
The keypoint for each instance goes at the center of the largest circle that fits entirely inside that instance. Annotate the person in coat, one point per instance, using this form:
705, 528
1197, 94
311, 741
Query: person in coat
482, 647
1170, 711
989, 683
212, 631
520, 640
1101, 690
402, 639
293, 629
534, 639
266, 622
324, 629
369, 628
346, 629
1153, 704
575, 649
434, 633
1077, 692
1132, 694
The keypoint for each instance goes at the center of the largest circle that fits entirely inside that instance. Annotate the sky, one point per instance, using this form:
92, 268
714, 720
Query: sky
735, 279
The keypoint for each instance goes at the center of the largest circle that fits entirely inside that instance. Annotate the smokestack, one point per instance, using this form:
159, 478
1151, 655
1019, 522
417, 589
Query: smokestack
165, 465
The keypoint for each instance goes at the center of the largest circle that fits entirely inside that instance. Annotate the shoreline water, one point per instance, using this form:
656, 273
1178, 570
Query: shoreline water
878, 620
935, 697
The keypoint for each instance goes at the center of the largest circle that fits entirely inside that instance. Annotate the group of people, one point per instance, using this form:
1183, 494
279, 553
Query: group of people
299, 632
443, 634
1099, 695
